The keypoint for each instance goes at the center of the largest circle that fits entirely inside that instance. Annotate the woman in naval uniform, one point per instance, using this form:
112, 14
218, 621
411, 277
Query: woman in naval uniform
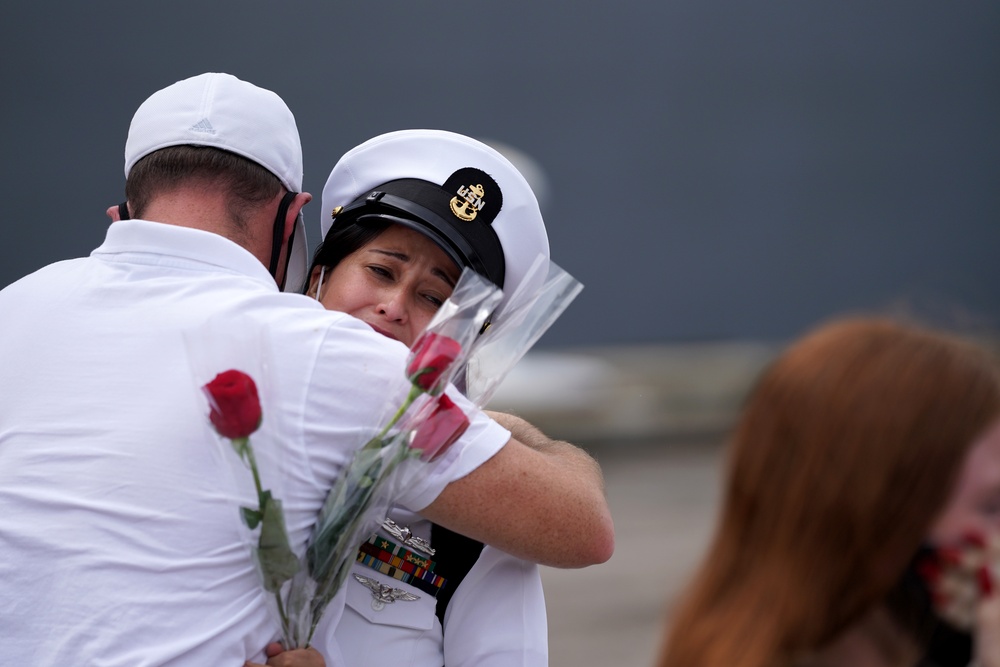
403, 213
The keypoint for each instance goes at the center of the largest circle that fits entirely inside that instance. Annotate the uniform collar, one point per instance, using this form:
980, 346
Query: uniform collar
132, 239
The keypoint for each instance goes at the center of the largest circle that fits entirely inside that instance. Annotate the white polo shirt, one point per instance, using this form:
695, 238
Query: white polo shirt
119, 530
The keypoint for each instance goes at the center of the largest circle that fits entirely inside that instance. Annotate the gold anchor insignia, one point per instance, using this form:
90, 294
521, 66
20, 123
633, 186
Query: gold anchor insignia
468, 202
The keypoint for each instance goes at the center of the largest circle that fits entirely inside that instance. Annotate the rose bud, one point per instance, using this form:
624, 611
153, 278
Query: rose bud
445, 425
236, 411
432, 354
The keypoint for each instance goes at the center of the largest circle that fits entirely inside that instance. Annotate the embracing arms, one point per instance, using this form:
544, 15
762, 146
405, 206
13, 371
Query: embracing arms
537, 498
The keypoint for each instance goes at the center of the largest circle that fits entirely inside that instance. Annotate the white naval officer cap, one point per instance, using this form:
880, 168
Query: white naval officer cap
221, 111
458, 191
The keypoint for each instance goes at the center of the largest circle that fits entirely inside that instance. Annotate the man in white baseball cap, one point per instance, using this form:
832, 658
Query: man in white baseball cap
220, 111
119, 539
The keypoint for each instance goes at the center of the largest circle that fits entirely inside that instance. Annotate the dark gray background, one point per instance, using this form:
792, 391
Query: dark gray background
717, 170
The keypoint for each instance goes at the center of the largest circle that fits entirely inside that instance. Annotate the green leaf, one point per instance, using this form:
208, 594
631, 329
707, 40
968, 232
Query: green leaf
278, 563
251, 517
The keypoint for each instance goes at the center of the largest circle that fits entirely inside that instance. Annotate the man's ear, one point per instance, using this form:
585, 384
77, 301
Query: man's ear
294, 209
114, 212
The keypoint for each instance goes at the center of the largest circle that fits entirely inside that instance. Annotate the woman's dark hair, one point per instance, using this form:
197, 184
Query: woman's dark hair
341, 241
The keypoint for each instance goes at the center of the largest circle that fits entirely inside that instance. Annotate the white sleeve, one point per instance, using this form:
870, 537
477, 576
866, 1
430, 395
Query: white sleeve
422, 482
356, 384
497, 615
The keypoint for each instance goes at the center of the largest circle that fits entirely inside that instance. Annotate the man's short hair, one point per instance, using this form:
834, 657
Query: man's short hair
249, 184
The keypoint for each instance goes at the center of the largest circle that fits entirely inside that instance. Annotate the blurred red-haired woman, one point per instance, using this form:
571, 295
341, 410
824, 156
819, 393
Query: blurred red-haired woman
849, 449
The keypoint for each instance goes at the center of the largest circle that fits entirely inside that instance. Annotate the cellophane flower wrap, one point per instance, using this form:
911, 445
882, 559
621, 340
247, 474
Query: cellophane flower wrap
423, 426
543, 295
230, 361
235, 412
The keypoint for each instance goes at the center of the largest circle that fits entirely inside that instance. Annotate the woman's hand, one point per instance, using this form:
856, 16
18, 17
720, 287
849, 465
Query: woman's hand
300, 657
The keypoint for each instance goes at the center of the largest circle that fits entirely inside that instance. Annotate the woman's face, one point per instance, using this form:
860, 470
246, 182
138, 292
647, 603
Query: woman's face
395, 283
974, 504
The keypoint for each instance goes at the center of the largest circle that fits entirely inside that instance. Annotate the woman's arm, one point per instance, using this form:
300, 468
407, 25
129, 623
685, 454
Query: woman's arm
539, 499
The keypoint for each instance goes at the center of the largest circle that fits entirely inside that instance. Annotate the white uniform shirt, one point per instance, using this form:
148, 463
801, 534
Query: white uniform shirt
119, 531
496, 617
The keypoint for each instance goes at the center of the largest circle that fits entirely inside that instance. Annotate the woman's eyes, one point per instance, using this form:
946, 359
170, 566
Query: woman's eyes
380, 271
434, 300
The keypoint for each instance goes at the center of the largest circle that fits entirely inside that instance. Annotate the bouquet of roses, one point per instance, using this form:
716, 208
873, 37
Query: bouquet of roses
424, 425
542, 296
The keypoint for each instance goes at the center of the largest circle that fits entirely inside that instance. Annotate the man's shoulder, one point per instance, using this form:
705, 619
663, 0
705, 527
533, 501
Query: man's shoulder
291, 311
46, 275
330, 334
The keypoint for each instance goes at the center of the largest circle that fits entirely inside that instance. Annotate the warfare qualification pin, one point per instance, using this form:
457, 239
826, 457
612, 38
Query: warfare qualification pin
403, 534
383, 595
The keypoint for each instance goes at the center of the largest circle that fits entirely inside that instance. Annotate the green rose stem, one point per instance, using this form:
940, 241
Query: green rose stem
348, 518
351, 497
376, 442
245, 452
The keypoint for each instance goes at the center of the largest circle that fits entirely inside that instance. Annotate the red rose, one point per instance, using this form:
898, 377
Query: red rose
431, 356
235, 406
445, 425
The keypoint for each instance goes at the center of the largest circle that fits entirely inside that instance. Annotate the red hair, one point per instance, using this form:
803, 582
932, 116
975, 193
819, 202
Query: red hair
844, 453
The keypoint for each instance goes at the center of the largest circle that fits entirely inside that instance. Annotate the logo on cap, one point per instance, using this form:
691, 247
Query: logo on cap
203, 125
476, 195
468, 202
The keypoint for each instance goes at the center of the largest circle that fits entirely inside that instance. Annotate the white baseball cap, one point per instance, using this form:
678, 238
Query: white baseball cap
458, 191
221, 111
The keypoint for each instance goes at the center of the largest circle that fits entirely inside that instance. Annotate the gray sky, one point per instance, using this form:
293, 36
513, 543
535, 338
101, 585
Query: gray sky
717, 170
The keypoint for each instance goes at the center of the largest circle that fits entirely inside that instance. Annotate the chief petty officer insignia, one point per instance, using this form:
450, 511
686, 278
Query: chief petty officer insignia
468, 202
476, 194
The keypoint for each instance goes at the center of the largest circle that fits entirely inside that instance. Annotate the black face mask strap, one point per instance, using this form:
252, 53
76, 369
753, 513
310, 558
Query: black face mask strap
279, 230
123, 211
